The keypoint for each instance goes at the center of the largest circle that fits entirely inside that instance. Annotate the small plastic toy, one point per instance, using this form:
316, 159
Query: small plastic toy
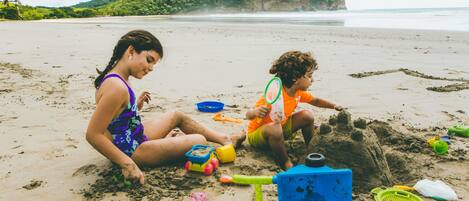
404, 188
439, 146
459, 130
394, 194
274, 97
257, 181
223, 118
226, 154
210, 106
201, 158
313, 181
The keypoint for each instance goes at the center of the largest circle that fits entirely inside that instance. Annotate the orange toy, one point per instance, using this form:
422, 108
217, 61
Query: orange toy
223, 118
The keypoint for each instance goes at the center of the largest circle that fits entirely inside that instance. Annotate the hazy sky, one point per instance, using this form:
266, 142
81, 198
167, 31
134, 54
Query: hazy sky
386, 4
351, 4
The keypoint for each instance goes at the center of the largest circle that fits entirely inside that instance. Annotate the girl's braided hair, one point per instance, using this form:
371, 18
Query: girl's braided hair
140, 40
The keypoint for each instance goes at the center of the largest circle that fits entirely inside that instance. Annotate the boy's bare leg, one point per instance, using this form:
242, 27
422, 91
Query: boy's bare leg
273, 134
303, 120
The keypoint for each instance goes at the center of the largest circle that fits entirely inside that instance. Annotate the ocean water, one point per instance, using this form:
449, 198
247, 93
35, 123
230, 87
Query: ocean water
450, 19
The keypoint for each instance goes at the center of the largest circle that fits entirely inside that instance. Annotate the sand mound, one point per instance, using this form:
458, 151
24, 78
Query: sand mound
353, 146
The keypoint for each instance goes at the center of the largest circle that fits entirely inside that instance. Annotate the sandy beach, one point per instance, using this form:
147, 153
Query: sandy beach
415, 81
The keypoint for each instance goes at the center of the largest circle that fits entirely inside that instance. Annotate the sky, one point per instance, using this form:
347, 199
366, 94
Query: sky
351, 4
392, 4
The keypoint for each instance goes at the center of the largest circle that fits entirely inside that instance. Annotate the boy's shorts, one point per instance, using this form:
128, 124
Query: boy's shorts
256, 138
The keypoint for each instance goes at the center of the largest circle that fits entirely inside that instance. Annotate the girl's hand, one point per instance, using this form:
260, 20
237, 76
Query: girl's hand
133, 173
338, 108
261, 111
144, 97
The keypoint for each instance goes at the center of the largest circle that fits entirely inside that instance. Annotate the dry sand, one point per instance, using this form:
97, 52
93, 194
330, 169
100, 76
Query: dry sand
47, 69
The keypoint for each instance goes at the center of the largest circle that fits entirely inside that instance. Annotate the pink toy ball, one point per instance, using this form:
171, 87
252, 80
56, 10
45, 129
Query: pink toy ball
215, 163
208, 169
187, 166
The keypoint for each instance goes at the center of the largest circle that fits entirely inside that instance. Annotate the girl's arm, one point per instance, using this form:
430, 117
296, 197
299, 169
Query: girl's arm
319, 102
108, 105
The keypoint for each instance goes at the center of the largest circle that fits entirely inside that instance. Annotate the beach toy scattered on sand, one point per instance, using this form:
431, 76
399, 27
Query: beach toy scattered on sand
226, 154
437, 190
313, 181
405, 188
273, 96
459, 130
223, 118
120, 179
210, 106
394, 194
446, 138
198, 196
439, 146
201, 158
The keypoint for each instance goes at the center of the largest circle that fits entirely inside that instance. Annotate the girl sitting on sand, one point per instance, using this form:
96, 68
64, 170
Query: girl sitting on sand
295, 69
115, 128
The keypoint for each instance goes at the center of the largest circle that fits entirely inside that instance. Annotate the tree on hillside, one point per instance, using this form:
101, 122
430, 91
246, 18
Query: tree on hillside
5, 2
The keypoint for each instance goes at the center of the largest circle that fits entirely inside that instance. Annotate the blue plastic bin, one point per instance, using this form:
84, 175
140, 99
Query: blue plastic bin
199, 159
210, 106
305, 183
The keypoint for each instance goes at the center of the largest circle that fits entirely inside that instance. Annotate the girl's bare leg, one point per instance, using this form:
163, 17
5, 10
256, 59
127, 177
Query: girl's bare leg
160, 128
160, 151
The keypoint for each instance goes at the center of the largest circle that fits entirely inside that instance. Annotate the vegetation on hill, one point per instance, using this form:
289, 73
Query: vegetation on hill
159, 7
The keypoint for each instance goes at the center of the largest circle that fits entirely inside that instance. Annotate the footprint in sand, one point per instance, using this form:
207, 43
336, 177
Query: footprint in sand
33, 184
86, 170
71, 143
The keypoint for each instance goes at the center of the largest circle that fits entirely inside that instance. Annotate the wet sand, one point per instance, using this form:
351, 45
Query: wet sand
47, 69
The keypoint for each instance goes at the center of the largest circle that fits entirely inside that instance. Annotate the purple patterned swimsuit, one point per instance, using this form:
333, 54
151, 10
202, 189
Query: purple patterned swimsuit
127, 129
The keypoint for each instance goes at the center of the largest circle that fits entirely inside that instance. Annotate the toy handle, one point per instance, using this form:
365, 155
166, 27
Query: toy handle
258, 191
400, 194
243, 179
258, 120
376, 190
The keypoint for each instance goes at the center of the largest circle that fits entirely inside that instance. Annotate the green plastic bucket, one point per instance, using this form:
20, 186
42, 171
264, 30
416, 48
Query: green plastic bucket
394, 194
440, 147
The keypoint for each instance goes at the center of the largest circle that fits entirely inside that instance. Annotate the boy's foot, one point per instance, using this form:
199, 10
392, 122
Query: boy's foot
287, 165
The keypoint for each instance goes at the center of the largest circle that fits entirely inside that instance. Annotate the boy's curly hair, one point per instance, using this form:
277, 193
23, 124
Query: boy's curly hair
293, 65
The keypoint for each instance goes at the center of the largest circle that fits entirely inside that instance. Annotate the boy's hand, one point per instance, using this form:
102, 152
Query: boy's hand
144, 97
261, 111
277, 118
338, 108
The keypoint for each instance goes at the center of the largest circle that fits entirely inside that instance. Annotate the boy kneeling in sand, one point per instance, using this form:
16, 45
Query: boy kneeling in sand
295, 69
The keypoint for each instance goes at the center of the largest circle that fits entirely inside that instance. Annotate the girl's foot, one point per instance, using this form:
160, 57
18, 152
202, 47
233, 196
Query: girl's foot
235, 139
238, 139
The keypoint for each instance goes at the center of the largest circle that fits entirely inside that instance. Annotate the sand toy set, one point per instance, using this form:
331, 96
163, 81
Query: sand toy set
312, 181
206, 159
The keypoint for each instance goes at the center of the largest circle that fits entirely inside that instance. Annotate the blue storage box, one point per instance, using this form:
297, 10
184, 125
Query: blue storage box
304, 183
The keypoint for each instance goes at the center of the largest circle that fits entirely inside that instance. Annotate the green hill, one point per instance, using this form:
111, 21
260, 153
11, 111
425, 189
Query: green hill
93, 3
162, 7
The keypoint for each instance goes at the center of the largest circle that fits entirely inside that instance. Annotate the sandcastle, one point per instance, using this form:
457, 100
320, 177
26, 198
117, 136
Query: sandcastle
353, 145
